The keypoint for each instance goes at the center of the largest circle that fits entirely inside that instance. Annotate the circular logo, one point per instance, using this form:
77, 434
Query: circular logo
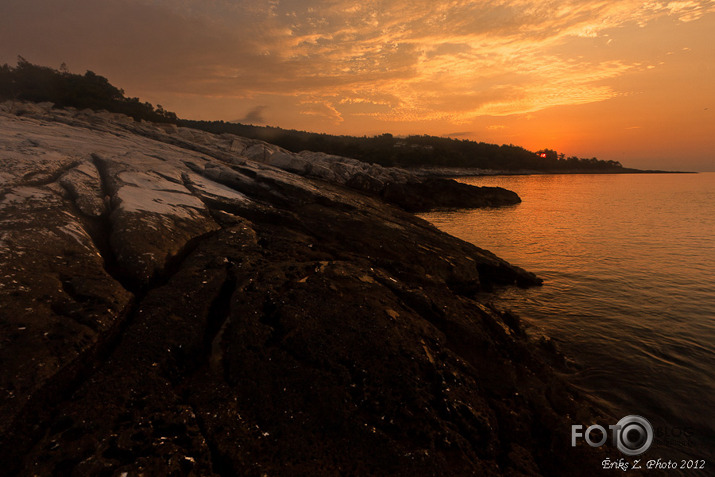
634, 436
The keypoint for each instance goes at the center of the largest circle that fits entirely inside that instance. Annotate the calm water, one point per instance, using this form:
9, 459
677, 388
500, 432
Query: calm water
629, 294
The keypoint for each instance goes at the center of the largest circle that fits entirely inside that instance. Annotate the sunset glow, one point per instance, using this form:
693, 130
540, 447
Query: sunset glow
631, 81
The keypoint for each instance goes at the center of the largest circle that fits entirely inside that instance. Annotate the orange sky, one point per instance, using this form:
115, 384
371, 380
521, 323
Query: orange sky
622, 80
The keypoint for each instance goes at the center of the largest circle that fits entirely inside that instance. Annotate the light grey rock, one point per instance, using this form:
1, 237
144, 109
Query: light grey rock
85, 186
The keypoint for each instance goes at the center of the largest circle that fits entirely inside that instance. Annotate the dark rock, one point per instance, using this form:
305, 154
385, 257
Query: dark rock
284, 325
431, 193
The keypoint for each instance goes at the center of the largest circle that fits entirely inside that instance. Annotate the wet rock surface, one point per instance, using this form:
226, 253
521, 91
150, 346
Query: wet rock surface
174, 304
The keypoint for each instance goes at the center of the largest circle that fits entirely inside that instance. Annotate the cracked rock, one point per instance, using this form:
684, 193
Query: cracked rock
179, 303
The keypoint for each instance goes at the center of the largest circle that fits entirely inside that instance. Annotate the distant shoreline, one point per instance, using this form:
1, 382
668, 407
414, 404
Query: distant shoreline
474, 172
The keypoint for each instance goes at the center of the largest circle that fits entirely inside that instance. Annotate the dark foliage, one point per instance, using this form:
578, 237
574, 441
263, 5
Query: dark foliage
414, 151
28, 82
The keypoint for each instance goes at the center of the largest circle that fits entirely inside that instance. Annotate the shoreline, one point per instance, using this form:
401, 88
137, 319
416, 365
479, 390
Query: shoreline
474, 172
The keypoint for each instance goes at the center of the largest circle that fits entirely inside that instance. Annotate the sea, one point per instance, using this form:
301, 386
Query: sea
628, 263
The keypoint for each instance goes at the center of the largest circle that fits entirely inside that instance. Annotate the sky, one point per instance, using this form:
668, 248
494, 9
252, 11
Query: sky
631, 81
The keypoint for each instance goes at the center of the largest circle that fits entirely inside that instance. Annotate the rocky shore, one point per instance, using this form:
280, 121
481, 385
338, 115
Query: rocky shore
178, 303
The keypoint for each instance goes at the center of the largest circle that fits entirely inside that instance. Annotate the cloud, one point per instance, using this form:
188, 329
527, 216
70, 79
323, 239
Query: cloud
254, 116
406, 60
322, 110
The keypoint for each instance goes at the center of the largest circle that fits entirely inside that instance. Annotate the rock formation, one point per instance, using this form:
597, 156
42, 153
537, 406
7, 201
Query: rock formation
178, 303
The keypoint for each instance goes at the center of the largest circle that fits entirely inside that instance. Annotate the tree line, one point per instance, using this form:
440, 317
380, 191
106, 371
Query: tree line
30, 82
414, 151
